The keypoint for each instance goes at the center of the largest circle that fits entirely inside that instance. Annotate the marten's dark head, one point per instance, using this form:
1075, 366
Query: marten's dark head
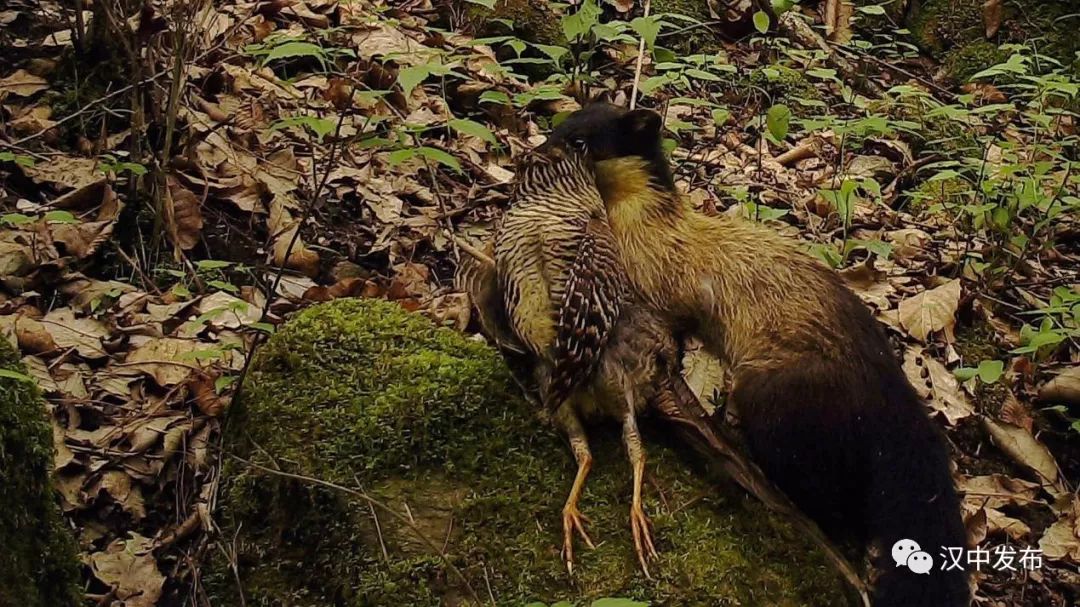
609, 132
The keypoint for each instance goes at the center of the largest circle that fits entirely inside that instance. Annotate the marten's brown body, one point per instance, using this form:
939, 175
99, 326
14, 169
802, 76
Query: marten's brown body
823, 402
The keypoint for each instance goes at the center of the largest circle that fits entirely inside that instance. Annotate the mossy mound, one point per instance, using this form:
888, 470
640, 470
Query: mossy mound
363, 394
38, 567
532, 20
955, 31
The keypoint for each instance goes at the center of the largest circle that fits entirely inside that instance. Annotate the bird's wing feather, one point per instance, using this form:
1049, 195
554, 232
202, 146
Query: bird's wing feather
477, 277
595, 289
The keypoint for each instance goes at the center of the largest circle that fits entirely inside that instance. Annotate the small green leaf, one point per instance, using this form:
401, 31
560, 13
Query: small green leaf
761, 21
577, 24
991, 370
483, 3
441, 157
872, 9
8, 373
409, 77
498, 97
16, 219
470, 127
648, 28
223, 382
618, 603
60, 217
778, 119
965, 373
19, 159
296, 49
211, 264
398, 156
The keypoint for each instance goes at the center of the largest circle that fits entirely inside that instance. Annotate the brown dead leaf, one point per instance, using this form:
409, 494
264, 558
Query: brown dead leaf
384, 40
22, 84
347, 287
82, 334
998, 490
32, 335
16, 258
224, 310
67, 171
1062, 389
1024, 449
166, 359
838, 15
130, 569
283, 228
203, 390
992, 13
64, 456
937, 384
183, 215
123, 491
869, 283
984, 93
1062, 539
930, 311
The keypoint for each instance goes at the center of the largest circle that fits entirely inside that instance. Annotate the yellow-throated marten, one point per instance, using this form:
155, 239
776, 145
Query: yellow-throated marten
823, 402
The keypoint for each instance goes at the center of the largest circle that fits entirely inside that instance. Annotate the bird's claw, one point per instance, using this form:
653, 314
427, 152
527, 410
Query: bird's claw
573, 520
643, 542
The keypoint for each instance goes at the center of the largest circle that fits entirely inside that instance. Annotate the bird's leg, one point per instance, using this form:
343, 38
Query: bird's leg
572, 517
639, 523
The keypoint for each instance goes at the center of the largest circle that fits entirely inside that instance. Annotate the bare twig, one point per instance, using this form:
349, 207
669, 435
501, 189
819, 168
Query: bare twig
640, 61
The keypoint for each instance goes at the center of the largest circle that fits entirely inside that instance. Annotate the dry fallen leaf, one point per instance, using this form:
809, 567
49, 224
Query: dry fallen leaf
937, 384
22, 84
930, 311
1024, 449
992, 13
1062, 539
282, 231
123, 491
166, 360
130, 569
224, 310
1063, 389
183, 215
83, 334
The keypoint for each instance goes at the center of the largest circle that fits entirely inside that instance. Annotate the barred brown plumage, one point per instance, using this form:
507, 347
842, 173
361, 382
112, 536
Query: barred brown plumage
552, 294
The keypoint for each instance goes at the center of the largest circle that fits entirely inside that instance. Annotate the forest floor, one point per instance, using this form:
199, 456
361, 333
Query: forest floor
162, 212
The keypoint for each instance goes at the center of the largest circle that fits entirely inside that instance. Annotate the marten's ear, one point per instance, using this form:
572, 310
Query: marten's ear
602, 96
641, 123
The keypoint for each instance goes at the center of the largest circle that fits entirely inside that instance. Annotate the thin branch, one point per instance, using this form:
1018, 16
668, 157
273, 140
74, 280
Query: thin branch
640, 61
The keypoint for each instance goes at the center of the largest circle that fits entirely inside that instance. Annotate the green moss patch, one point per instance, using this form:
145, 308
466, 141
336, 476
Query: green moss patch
38, 567
954, 30
365, 395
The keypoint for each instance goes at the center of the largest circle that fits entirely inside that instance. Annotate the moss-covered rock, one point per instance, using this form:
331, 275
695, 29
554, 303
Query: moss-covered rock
954, 30
365, 395
38, 567
699, 39
783, 84
532, 20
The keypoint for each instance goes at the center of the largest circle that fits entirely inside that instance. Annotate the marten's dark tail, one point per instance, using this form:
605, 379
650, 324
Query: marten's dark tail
852, 445
911, 496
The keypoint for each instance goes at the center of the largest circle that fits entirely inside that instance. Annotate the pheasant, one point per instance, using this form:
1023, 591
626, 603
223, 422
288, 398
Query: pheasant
552, 294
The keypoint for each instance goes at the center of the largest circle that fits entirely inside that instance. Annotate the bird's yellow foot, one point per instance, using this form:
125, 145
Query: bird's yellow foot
643, 542
573, 520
